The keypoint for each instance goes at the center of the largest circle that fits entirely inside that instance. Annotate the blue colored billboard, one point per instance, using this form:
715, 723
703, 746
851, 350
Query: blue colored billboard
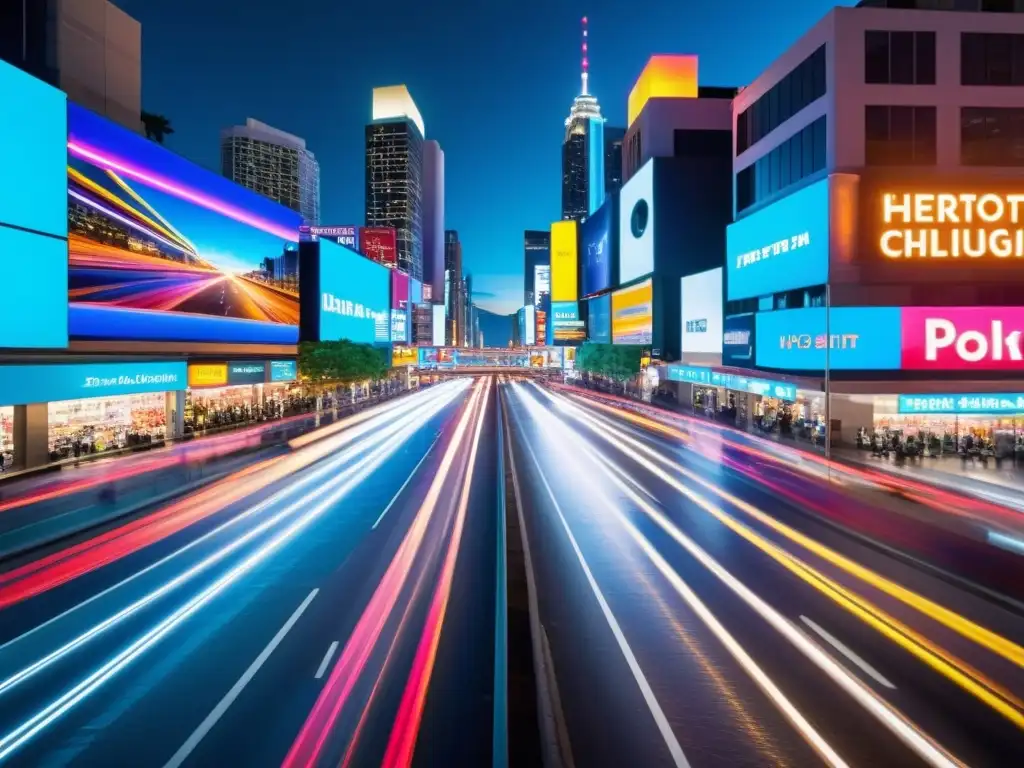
161, 249
857, 339
738, 341
566, 324
22, 384
354, 297
35, 305
596, 250
283, 370
599, 319
782, 247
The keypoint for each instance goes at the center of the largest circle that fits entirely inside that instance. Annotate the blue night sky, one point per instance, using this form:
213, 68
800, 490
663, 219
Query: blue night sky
494, 84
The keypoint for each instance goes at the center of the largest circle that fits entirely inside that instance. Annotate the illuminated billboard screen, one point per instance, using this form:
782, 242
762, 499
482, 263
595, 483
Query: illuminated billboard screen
563, 261
599, 319
852, 338
636, 225
541, 282
437, 325
401, 356
568, 327
353, 297
738, 341
399, 290
379, 244
161, 249
633, 314
701, 305
782, 247
596, 250
347, 236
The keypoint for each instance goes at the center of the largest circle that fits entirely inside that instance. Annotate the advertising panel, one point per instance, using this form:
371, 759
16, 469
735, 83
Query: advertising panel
541, 282
738, 341
379, 244
247, 373
636, 225
633, 314
694, 375
399, 290
437, 325
857, 339
401, 356
207, 375
702, 312
963, 338
283, 370
596, 250
161, 249
782, 247
399, 325
347, 236
529, 327
23, 384
354, 297
35, 305
567, 324
415, 292
564, 260
963, 404
599, 319
541, 323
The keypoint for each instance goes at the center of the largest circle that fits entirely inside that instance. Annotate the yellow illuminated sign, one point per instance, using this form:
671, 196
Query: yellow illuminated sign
924, 225
664, 77
403, 356
563, 261
207, 374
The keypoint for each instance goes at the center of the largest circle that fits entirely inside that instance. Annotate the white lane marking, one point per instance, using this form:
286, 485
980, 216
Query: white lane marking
327, 660
641, 680
204, 728
407, 481
870, 671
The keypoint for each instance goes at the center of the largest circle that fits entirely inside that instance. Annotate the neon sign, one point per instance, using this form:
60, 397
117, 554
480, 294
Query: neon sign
952, 226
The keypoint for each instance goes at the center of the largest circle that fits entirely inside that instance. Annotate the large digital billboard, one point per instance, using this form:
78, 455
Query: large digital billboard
347, 235
568, 327
596, 250
633, 314
701, 310
782, 247
963, 338
379, 244
354, 294
401, 310
738, 337
599, 319
23, 384
161, 249
564, 260
855, 339
636, 225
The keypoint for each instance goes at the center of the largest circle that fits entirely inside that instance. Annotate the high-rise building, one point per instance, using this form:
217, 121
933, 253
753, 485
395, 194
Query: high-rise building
613, 138
467, 312
536, 253
275, 164
90, 49
394, 173
433, 217
453, 291
583, 150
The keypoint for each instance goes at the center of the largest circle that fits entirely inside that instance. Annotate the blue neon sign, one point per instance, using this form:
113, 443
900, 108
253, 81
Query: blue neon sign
962, 404
781, 247
283, 370
22, 384
860, 339
706, 376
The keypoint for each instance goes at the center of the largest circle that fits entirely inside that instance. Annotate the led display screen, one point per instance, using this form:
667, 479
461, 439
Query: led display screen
283, 370
596, 250
22, 384
855, 338
738, 341
782, 247
401, 356
247, 373
567, 325
161, 249
963, 404
963, 338
633, 314
599, 319
379, 244
702, 312
541, 282
354, 297
563, 261
437, 325
35, 305
636, 225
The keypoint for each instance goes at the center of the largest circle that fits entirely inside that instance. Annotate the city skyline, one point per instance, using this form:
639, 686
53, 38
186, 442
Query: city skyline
330, 112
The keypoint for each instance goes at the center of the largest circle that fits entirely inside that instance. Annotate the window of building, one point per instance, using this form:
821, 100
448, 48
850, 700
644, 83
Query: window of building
899, 135
792, 161
992, 136
899, 58
991, 58
799, 88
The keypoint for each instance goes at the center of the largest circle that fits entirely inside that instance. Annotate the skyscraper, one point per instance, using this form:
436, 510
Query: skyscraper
394, 173
467, 312
275, 164
583, 150
613, 138
536, 253
433, 217
453, 290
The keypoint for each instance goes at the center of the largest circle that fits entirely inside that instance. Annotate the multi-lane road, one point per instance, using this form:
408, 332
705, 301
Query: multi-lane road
695, 597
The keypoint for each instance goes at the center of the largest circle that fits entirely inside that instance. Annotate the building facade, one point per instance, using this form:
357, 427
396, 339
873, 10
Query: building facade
536, 254
613, 140
274, 163
90, 49
454, 310
433, 217
583, 150
394, 173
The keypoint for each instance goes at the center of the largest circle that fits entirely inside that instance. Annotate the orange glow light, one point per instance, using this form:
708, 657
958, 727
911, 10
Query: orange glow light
664, 77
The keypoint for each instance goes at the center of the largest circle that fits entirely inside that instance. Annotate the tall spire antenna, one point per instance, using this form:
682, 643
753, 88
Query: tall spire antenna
584, 74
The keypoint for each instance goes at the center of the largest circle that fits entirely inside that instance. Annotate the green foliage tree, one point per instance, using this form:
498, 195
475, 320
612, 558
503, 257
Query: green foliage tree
619, 362
341, 361
157, 127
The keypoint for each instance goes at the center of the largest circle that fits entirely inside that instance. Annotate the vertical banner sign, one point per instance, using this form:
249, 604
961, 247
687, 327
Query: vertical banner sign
379, 244
563, 261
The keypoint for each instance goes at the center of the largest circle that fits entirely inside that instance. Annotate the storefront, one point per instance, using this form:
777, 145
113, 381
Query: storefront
97, 424
231, 392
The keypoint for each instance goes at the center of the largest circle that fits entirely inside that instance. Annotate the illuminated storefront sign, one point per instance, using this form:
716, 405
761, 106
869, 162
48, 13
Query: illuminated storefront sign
982, 402
851, 338
708, 377
346, 236
283, 370
924, 225
963, 338
207, 375
403, 356
738, 340
22, 384
247, 373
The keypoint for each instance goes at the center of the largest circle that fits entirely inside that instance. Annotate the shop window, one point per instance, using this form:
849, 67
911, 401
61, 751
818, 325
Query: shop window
896, 135
899, 57
7, 434
98, 424
991, 58
992, 136
789, 163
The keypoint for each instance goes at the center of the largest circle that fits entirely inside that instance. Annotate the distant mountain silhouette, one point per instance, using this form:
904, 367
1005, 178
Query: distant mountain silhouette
497, 329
